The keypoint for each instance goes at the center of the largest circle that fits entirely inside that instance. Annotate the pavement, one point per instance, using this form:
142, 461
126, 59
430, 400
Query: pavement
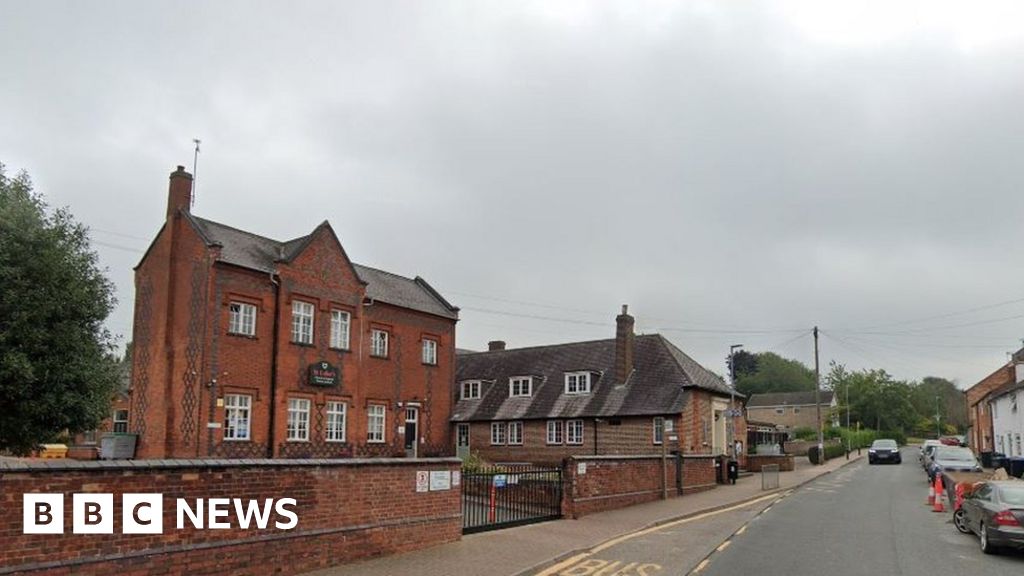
526, 549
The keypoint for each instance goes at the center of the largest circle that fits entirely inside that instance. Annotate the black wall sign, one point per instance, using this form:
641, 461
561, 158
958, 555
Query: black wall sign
323, 374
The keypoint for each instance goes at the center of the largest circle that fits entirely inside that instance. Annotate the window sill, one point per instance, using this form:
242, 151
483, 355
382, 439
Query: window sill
431, 364
379, 357
297, 440
346, 350
375, 442
241, 335
238, 439
303, 344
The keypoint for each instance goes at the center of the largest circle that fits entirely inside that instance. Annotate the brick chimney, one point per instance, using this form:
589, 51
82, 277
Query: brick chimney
180, 193
623, 345
495, 345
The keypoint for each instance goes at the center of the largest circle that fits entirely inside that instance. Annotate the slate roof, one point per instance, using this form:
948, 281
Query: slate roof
256, 252
788, 399
658, 385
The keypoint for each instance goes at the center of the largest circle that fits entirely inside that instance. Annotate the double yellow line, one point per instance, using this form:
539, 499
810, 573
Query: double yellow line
616, 541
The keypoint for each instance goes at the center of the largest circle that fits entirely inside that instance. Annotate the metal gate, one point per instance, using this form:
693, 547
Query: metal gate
505, 496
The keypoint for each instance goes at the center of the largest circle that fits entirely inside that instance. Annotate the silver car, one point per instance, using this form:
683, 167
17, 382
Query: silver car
952, 459
995, 512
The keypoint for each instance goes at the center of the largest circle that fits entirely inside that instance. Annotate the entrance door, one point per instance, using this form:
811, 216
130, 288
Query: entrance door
462, 441
412, 432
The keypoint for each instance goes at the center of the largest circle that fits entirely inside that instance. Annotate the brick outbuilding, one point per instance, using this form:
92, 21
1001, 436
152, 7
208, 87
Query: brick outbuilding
250, 347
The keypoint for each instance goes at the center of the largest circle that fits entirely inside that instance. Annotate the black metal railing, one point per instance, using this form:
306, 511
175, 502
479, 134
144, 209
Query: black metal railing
505, 496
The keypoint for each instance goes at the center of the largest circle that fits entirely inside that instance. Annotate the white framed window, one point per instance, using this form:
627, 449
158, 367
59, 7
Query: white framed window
302, 322
376, 416
515, 433
298, 419
237, 412
497, 433
658, 426
379, 343
520, 386
577, 383
340, 322
796, 410
470, 389
555, 430
336, 412
242, 319
120, 421
780, 410
430, 351
574, 432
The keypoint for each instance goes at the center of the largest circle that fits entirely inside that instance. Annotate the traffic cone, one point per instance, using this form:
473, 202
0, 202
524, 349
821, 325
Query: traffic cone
938, 494
931, 494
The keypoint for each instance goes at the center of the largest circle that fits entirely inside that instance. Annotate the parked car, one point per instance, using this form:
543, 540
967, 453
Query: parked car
927, 443
995, 512
952, 459
884, 450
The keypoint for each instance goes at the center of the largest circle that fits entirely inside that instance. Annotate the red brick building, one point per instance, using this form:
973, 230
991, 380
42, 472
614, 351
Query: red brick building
246, 346
979, 414
603, 397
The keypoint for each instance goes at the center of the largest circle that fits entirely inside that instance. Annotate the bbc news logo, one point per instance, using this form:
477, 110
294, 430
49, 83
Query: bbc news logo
144, 513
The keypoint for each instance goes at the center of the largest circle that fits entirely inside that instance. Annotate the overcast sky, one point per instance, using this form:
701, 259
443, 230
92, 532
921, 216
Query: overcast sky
736, 172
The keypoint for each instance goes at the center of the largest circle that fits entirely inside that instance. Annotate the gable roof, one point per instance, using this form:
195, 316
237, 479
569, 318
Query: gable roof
255, 252
658, 385
788, 399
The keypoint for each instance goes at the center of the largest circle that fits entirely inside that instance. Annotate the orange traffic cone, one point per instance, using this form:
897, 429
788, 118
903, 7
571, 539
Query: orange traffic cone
931, 494
938, 494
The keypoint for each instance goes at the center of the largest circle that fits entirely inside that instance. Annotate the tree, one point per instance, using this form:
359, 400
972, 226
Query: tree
58, 370
773, 373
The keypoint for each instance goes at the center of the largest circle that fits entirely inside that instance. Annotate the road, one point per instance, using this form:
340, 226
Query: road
859, 520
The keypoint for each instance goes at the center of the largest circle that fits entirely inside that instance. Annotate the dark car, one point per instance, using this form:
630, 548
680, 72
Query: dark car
995, 512
884, 450
952, 459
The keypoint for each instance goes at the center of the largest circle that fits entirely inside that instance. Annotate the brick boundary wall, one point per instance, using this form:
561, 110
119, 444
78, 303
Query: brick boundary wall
347, 509
786, 462
612, 482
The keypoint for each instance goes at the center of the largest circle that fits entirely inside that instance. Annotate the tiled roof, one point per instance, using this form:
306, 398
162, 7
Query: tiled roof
658, 384
255, 252
788, 399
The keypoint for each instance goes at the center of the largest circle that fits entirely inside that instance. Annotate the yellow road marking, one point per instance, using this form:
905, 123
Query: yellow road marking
723, 546
616, 541
741, 530
703, 564
646, 531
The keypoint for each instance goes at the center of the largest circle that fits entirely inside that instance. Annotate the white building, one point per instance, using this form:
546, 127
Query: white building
1007, 419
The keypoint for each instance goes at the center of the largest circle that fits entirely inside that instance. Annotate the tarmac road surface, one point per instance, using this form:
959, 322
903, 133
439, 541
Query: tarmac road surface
859, 520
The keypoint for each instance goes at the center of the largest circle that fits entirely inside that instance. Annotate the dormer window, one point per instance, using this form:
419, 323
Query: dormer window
520, 386
470, 389
577, 382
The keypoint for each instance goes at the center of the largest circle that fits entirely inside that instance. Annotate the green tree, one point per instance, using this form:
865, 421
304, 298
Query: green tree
939, 394
58, 370
773, 373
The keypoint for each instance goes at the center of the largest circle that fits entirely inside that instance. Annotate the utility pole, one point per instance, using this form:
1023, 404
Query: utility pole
938, 424
817, 400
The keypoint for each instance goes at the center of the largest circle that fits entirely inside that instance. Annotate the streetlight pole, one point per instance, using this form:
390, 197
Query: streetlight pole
732, 399
817, 400
849, 433
938, 424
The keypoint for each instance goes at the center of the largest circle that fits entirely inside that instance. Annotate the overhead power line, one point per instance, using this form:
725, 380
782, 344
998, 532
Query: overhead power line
946, 315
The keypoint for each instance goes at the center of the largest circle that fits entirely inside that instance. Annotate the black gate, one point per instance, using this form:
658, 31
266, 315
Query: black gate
505, 496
